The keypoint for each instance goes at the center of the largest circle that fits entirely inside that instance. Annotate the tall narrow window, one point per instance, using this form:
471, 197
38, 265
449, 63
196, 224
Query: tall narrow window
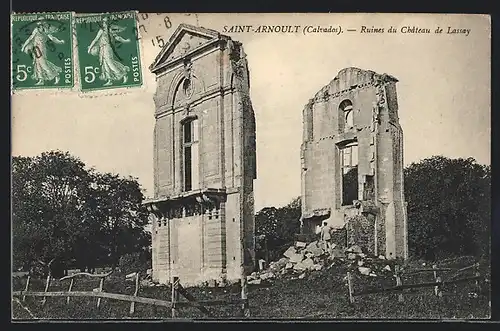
349, 162
191, 161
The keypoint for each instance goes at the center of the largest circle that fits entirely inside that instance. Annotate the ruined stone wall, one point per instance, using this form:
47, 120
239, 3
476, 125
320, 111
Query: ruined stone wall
320, 152
243, 226
398, 166
225, 154
378, 135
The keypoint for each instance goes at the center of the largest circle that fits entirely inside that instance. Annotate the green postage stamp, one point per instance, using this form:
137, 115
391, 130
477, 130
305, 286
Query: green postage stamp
42, 50
108, 51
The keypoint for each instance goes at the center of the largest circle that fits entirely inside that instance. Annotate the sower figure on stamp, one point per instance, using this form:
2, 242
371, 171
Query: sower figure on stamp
36, 44
111, 69
326, 235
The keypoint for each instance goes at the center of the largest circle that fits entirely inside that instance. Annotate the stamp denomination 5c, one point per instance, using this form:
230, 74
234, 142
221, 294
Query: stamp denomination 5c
108, 51
42, 51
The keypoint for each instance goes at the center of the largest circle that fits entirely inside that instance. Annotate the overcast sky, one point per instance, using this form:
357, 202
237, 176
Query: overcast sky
444, 95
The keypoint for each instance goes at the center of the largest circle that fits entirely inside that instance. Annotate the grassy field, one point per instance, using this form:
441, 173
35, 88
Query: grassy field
320, 295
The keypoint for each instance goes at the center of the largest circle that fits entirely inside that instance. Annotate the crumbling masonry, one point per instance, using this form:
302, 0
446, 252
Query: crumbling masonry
204, 160
352, 162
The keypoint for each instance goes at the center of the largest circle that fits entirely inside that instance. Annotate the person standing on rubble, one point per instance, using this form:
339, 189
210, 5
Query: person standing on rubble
326, 235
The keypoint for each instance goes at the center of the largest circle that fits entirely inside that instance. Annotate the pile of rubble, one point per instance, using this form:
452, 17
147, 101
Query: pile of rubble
302, 259
145, 280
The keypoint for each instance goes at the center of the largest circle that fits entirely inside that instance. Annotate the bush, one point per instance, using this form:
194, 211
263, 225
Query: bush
276, 228
135, 262
449, 208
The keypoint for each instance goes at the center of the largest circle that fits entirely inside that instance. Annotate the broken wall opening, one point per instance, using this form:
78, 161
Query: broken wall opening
369, 188
360, 231
349, 165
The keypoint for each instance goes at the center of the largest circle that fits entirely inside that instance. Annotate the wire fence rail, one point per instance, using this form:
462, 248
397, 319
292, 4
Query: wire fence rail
437, 284
174, 303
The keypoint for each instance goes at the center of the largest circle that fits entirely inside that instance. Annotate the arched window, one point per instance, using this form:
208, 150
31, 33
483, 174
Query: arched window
347, 115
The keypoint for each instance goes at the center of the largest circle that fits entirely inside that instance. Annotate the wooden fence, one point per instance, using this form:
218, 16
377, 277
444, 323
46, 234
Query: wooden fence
174, 304
437, 284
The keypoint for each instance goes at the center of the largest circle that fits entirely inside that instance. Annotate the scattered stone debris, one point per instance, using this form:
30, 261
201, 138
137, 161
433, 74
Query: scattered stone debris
364, 271
147, 281
303, 259
255, 281
300, 244
355, 249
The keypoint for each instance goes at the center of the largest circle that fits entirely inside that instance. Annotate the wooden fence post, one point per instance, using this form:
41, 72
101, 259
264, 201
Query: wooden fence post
245, 309
69, 289
349, 284
347, 235
436, 289
27, 286
437, 279
132, 304
440, 292
47, 284
477, 274
399, 281
175, 296
101, 283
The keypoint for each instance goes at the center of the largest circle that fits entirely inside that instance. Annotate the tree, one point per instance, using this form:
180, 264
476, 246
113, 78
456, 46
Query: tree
115, 204
62, 211
448, 207
290, 220
48, 196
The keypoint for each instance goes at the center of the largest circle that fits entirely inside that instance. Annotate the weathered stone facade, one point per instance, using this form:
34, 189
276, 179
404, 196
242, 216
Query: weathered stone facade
352, 162
204, 159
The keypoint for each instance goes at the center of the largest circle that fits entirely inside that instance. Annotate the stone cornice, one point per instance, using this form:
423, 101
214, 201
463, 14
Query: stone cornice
215, 92
207, 195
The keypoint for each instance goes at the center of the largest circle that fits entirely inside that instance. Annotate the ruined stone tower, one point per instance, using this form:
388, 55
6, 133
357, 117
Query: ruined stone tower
204, 159
352, 162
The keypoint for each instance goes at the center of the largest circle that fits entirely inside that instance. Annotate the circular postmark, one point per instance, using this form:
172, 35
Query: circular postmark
41, 52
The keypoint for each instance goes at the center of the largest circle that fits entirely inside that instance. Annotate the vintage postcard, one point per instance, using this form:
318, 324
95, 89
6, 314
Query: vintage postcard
250, 166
